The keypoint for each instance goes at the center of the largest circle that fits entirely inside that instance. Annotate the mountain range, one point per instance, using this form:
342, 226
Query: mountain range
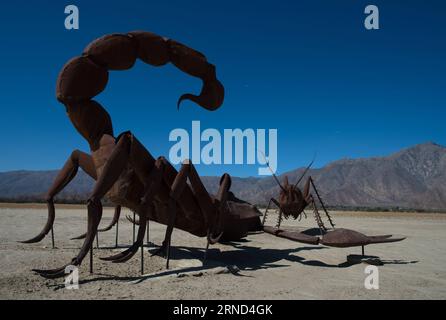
413, 178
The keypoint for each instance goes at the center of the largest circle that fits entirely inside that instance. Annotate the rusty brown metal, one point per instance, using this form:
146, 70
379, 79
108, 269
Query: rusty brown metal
292, 201
350, 238
124, 170
294, 236
129, 176
340, 238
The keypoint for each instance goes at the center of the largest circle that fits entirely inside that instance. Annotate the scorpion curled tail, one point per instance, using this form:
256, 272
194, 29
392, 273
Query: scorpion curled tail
84, 77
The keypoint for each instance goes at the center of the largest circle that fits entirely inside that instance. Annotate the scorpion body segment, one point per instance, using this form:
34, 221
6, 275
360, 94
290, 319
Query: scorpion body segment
84, 77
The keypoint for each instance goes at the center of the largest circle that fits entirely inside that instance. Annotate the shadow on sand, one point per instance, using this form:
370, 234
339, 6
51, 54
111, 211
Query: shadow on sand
245, 257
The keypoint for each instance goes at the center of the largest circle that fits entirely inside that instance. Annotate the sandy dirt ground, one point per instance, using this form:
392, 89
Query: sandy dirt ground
270, 267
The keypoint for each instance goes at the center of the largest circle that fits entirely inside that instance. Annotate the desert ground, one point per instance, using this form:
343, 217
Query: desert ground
269, 267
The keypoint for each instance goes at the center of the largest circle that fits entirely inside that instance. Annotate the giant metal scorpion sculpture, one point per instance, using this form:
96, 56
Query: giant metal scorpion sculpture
124, 170
130, 176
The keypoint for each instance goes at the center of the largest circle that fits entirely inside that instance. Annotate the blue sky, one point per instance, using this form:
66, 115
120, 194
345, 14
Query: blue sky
308, 68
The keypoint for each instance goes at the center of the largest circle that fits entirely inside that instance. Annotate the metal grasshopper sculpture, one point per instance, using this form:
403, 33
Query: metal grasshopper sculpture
292, 201
124, 169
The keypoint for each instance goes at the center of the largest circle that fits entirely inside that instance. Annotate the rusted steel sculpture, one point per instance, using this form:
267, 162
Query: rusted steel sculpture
292, 203
49, 198
124, 170
131, 177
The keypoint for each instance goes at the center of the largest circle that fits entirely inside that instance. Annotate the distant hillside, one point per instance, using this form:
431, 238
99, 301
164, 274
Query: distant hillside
412, 178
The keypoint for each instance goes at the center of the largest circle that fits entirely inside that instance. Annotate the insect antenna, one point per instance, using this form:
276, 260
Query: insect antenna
305, 172
272, 172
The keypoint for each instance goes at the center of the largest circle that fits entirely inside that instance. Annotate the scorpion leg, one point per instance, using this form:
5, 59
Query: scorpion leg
178, 185
114, 221
214, 212
222, 195
154, 181
130, 252
218, 222
205, 203
203, 198
65, 176
112, 170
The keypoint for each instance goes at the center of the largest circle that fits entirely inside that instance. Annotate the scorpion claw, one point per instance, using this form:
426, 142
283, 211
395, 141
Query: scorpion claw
107, 228
36, 239
48, 226
82, 236
47, 271
114, 221
130, 252
123, 256
52, 273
